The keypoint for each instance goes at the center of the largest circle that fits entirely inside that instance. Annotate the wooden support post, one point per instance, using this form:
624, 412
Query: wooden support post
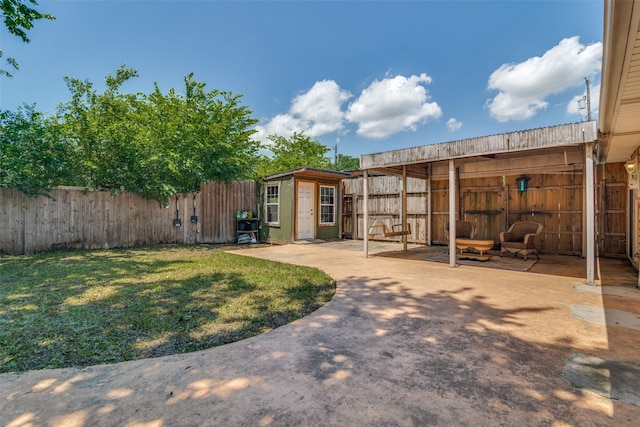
459, 199
365, 209
452, 213
429, 236
590, 205
404, 206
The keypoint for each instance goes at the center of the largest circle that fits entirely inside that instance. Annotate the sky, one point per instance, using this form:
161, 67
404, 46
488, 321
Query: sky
360, 76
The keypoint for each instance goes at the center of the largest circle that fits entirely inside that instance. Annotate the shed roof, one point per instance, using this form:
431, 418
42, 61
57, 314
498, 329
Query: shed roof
482, 147
311, 173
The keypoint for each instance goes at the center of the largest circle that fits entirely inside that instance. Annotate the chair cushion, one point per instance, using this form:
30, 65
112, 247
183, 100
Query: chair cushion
515, 245
464, 229
520, 229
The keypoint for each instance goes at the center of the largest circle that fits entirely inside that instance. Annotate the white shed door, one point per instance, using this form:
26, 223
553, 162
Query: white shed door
305, 210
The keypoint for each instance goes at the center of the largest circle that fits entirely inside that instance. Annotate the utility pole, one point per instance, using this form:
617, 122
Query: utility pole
588, 99
335, 157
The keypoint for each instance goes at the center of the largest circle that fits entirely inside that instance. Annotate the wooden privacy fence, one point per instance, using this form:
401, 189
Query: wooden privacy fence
494, 203
73, 218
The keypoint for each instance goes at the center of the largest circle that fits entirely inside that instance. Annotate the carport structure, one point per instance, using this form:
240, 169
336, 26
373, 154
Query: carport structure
508, 160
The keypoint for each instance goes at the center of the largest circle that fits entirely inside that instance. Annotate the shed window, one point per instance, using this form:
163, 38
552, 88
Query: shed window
273, 203
327, 205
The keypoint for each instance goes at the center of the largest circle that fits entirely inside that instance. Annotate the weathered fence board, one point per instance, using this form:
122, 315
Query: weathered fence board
72, 218
612, 208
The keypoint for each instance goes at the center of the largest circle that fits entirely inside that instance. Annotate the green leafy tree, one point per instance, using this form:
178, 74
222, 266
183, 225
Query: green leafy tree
295, 152
18, 17
206, 133
158, 144
33, 157
101, 130
347, 163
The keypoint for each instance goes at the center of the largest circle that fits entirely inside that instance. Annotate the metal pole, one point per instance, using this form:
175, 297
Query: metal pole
588, 99
589, 180
365, 208
429, 205
404, 205
452, 213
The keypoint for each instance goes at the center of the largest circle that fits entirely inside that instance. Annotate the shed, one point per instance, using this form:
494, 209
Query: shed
302, 204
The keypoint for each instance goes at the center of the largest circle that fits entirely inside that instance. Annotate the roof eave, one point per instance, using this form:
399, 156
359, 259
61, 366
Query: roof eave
555, 136
617, 24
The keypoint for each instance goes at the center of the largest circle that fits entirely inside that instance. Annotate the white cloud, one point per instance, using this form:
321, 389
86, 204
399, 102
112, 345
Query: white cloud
282, 125
453, 124
393, 105
384, 108
572, 105
315, 112
523, 87
320, 107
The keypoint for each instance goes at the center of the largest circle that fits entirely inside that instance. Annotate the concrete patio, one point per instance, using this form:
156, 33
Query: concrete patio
403, 342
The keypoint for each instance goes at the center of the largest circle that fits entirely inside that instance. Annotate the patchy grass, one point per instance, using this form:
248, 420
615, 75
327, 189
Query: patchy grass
83, 308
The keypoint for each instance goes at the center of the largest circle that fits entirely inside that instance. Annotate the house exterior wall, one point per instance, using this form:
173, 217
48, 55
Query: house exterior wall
280, 233
632, 217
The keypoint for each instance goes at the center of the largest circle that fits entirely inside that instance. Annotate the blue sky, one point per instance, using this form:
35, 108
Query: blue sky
367, 76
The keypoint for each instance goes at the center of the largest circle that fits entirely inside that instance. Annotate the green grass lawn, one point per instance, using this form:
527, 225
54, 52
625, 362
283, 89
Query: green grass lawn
81, 308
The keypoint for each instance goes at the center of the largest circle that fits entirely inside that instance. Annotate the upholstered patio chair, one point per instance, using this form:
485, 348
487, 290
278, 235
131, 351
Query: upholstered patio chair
521, 239
464, 230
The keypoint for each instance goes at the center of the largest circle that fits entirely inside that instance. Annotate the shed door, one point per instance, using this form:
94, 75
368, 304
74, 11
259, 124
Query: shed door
305, 210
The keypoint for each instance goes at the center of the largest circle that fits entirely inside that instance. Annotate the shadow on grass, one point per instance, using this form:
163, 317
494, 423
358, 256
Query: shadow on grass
87, 308
379, 354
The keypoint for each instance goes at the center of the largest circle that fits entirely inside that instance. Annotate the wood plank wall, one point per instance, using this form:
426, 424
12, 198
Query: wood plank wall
71, 218
385, 205
612, 204
494, 203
